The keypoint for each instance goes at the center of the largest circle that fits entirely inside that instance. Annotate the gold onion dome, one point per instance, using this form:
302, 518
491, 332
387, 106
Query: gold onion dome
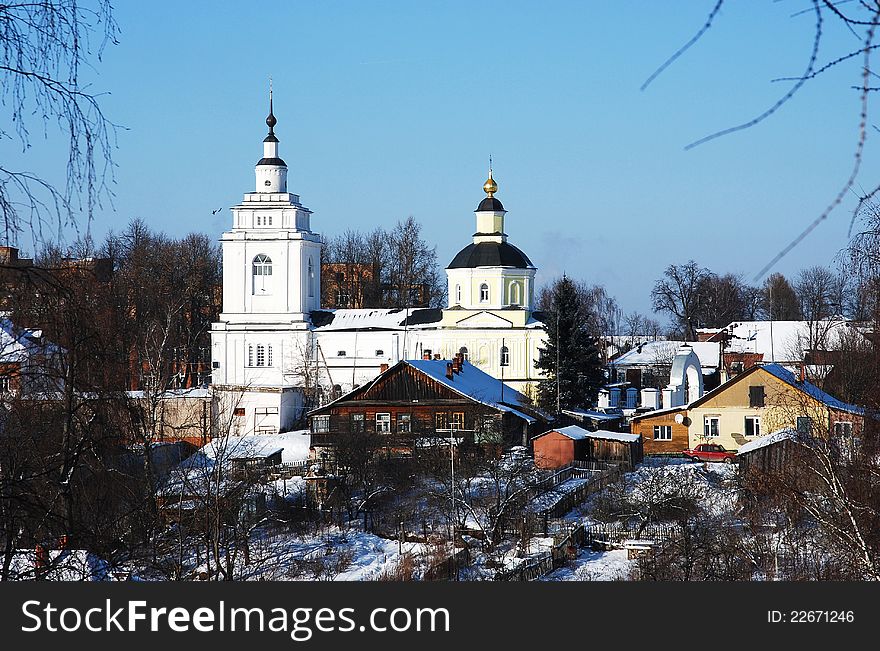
490, 187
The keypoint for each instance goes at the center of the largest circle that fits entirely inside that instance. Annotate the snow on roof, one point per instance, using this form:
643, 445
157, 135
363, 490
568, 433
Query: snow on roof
789, 341
576, 433
595, 415
613, 436
661, 353
199, 392
811, 390
474, 383
17, 344
373, 319
658, 412
770, 439
573, 432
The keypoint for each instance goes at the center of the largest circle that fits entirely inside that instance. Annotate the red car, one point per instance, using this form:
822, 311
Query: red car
710, 452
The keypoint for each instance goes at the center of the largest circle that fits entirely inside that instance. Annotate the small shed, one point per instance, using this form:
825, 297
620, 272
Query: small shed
564, 445
615, 447
770, 453
559, 447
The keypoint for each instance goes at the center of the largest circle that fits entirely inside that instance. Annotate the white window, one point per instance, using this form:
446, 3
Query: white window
383, 423
843, 428
711, 426
269, 355
662, 432
4, 384
321, 424
753, 426
261, 355
484, 293
262, 272
457, 420
311, 279
250, 356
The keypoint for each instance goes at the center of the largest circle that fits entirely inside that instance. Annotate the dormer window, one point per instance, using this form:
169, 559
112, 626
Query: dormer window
484, 293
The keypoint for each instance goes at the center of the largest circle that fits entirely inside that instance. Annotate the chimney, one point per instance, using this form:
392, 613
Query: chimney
448, 370
41, 560
383, 368
803, 375
436, 355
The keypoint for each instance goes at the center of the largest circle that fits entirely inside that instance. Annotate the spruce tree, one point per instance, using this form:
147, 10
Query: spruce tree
570, 358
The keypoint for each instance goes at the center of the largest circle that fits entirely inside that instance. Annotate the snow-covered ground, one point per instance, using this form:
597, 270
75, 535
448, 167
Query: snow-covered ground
336, 555
594, 566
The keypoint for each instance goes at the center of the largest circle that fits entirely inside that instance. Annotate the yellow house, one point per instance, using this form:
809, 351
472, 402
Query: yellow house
765, 399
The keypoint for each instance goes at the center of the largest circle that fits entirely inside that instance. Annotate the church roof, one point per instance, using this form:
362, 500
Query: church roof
490, 254
489, 204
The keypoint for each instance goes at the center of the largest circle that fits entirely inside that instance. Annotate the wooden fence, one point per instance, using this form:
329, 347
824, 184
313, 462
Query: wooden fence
614, 533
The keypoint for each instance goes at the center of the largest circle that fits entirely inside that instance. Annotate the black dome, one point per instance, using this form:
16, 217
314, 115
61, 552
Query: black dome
490, 254
272, 161
489, 204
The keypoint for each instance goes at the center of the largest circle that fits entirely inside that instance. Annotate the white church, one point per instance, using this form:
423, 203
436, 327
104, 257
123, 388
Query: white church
274, 346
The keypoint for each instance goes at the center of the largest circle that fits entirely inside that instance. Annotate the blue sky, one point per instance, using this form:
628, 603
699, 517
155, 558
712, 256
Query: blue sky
390, 109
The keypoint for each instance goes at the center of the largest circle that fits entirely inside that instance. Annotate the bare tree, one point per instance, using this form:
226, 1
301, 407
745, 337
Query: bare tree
678, 295
44, 46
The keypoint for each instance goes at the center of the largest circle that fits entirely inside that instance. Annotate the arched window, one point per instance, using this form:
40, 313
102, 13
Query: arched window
261, 355
484, 293
505, 356
262, 272
458, 294
250, 356
464, 353
311, 279
515, 294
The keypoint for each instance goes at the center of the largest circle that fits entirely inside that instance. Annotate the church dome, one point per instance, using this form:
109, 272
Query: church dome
489, 204
490, 254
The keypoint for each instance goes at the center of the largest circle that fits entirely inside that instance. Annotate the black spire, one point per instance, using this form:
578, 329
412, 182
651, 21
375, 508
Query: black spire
270, 120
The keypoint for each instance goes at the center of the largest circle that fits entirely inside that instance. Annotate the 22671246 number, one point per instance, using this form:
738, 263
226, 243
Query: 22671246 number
814, 616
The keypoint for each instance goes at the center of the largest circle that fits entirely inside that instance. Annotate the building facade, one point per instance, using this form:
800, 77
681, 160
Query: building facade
276, 353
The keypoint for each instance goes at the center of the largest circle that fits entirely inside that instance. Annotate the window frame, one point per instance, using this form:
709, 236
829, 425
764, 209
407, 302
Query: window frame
664, 431
324, 426
484, 292
757, 396
707, 427
756, 426
383, 422
401, 419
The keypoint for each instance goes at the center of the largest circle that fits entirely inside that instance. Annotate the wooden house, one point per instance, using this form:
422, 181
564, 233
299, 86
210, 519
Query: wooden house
664, 431
564, 445
428, 401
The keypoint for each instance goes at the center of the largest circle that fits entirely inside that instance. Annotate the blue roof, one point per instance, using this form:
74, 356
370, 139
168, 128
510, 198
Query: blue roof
782, 373
475, 384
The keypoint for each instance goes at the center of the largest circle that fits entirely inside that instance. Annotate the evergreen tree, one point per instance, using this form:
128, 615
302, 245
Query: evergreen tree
570, 358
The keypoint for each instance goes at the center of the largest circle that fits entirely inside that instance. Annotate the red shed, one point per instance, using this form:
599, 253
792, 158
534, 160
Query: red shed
559, 447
